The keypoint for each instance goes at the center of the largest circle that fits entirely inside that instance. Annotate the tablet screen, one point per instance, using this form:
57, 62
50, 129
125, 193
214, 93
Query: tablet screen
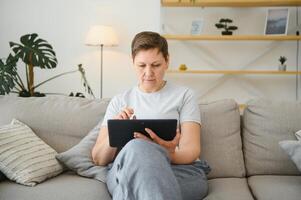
122, 131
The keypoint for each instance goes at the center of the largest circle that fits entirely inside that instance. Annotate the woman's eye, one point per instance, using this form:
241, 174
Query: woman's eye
141, 66
157, 65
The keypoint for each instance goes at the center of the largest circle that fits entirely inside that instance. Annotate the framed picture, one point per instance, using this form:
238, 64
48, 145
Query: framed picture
197, 27
276, 21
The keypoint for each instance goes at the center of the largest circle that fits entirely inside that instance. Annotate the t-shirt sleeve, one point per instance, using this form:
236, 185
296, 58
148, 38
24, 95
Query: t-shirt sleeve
190, 110
113, 109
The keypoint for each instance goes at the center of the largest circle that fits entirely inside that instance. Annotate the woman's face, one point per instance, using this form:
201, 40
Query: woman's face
150, 66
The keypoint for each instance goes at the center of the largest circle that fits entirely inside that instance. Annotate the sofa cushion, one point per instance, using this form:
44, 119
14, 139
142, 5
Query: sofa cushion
60, 121
24, 157
265, 123
275, 187
228, 189
63, 187
221, 140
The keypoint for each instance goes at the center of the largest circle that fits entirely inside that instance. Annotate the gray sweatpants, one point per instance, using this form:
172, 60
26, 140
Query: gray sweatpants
142, 171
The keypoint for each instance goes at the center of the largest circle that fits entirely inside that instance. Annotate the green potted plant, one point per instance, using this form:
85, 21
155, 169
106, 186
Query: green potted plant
282, 65
34, 52
223, 23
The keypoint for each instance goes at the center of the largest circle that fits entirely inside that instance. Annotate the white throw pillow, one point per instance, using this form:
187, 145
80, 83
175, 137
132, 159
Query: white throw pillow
24, 157
293, 149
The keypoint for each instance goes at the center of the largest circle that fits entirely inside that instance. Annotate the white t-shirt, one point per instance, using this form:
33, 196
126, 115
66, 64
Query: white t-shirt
171, 102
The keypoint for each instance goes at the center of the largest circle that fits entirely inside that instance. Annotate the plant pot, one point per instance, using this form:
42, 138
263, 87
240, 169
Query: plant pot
282, 68
25, 93
226, 32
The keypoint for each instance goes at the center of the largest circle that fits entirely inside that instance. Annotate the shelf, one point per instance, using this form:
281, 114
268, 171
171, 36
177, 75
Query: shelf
235, 72
232, 37
230, 3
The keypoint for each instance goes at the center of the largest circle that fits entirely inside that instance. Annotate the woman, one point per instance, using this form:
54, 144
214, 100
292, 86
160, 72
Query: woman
146, 168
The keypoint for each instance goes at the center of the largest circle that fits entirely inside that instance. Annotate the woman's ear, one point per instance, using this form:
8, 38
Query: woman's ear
167, 61
133, 62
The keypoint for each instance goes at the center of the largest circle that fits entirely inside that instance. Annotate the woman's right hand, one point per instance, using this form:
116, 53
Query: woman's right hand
126, 113
102, 152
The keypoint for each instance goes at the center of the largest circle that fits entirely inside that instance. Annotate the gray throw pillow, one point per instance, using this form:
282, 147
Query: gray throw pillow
293, 149
79, 158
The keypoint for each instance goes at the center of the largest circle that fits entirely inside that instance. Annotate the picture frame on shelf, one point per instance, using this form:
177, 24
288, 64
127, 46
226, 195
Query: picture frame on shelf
197, 27
276, 21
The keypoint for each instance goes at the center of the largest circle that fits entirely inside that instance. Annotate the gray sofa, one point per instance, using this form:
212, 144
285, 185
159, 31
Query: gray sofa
243, 151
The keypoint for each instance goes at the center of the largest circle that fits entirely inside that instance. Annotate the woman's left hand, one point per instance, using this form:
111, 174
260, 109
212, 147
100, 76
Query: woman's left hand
169, 145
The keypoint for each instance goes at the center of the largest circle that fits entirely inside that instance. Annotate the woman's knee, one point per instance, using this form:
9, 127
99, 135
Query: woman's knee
136, 144
142, 153
143, 148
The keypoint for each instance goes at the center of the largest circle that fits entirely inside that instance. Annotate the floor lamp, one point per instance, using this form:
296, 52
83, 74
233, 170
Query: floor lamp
101, 36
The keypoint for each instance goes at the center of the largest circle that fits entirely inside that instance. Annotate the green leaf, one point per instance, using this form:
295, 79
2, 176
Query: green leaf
220, 25
35, 51
225, 20
232, 28
8, 73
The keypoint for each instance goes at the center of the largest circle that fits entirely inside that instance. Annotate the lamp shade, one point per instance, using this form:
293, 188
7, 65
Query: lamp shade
101, 35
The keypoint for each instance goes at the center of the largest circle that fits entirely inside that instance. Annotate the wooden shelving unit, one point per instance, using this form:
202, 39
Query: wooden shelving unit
235, 72
235, 3
229, 3
232, 37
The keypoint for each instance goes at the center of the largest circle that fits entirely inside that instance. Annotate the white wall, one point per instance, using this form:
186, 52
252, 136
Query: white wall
64, 24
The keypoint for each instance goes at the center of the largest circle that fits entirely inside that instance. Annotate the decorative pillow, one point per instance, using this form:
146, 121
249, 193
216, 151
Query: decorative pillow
293, 149
24, 157
79, 158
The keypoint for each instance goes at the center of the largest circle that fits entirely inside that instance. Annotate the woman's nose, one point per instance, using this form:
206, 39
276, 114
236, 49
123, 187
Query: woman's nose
148, 70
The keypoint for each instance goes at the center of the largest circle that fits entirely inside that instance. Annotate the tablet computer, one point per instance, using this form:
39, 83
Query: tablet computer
121, 131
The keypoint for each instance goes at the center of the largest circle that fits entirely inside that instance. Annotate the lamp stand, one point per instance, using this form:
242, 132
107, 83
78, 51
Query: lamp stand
101, 69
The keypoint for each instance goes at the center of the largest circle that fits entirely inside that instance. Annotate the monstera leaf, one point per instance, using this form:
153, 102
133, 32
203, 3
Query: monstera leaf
35, 51
8, 73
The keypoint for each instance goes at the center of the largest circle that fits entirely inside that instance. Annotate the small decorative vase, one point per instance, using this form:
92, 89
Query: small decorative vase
282, 67
183, 67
